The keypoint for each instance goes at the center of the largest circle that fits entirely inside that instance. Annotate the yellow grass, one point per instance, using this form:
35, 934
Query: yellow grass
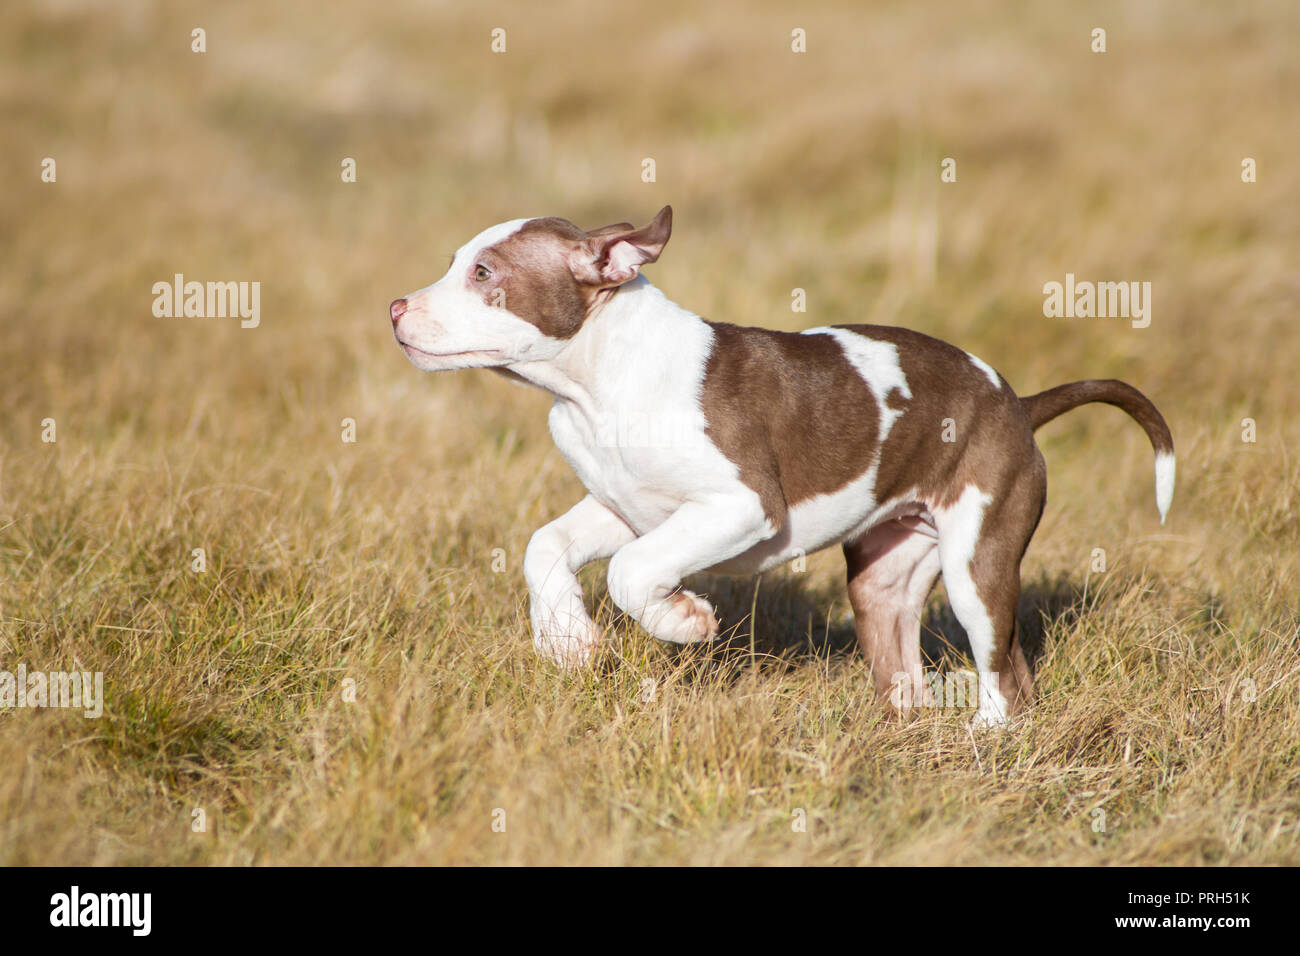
373, 562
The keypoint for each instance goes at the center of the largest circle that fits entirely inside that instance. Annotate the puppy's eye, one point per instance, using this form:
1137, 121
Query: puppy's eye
482, 273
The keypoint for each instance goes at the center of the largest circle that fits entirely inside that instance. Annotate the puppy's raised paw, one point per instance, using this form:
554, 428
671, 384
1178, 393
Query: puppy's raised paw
689, 621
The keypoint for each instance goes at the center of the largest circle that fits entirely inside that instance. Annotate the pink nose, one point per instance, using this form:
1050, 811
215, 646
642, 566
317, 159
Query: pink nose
397, 309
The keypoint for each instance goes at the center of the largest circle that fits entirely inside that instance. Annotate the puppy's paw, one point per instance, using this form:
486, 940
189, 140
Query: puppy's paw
566, 650
689, 620
570, 647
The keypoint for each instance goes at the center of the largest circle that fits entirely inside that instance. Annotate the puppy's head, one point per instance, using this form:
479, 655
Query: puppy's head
519, 291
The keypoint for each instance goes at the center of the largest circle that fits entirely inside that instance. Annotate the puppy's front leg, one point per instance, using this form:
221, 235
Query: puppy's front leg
644, 575
562, 629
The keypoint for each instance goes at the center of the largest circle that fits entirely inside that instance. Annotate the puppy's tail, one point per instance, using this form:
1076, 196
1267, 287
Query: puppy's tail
1045, 406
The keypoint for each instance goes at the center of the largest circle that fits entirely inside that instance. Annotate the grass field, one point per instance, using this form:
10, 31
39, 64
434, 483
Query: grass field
388, 569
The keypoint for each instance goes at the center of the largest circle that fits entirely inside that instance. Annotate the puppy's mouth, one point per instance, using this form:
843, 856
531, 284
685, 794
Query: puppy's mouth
472, 354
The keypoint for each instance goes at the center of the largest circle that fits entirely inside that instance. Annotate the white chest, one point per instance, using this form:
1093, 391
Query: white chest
622, 466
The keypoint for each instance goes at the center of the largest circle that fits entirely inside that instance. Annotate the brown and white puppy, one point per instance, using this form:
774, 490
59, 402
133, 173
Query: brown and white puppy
706, 446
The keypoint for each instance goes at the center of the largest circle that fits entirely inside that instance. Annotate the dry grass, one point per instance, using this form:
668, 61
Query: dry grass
373, 561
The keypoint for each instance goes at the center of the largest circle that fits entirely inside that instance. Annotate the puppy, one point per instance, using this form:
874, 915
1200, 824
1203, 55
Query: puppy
706, 446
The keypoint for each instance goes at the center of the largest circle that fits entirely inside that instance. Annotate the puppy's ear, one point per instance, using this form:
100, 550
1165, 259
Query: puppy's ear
615, 254
610, 230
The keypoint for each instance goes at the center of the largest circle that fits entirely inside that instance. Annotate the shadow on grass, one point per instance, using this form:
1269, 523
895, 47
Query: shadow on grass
793, 623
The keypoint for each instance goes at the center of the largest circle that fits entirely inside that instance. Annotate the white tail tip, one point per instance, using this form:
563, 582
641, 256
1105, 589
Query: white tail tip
1164, 483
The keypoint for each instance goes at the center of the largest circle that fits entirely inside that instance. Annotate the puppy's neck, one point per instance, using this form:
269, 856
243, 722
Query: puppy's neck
624, 336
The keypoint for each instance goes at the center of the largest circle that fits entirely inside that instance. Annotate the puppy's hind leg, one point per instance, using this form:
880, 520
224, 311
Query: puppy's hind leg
891, 571
981, 544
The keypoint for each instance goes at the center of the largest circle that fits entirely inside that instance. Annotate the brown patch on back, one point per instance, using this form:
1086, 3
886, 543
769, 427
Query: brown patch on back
790, 411
531, 267
798, 420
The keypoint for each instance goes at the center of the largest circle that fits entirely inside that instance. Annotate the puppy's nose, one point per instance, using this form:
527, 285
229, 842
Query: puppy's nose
397, 309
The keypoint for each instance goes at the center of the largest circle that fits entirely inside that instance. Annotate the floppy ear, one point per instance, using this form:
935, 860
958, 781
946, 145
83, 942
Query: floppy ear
615, 254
